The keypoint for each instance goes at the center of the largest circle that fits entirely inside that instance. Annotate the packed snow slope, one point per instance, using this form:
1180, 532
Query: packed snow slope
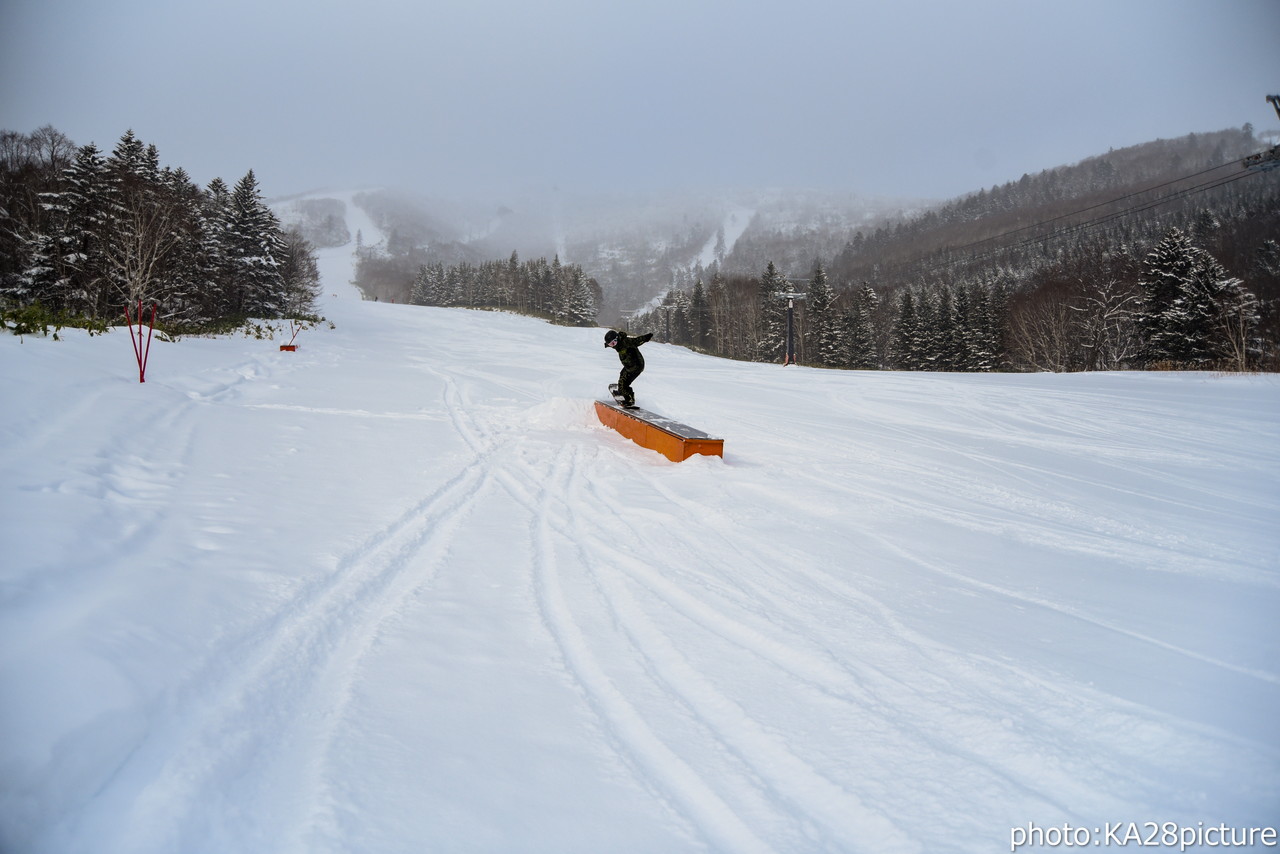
399, 591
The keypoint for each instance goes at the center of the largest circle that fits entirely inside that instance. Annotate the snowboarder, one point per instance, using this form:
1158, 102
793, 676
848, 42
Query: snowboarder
628, 349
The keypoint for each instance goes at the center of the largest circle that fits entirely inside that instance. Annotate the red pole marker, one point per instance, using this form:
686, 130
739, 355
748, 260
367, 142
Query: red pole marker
291, 346
140, 352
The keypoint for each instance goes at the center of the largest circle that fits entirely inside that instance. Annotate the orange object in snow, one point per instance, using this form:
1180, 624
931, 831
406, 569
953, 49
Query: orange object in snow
673, 440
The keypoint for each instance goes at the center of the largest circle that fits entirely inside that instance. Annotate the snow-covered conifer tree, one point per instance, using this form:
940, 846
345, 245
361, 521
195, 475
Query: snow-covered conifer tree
947, 349
215, 216
860, 351
82, 208
1193, 314
254, 246
699, 316
1165, 273
906, 334
181, 273
146, 228
772, 328
581, 307
823, 321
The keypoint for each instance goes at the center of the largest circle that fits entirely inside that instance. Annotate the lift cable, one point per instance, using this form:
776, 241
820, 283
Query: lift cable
1095, 222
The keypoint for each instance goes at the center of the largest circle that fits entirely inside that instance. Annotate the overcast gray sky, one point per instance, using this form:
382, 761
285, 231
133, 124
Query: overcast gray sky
908, 98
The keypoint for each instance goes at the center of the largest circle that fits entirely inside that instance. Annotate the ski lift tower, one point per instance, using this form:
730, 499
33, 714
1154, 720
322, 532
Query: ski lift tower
1270, 159
791, 297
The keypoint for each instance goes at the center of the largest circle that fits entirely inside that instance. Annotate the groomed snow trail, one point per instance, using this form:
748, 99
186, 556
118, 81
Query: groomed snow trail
400, 591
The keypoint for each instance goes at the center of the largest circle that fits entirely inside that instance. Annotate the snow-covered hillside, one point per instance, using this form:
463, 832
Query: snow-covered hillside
400, 592
735, 223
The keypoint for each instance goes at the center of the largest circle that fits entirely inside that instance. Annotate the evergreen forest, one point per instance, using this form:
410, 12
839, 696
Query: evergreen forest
1161, 255
1164, 255
85, 234
561, 293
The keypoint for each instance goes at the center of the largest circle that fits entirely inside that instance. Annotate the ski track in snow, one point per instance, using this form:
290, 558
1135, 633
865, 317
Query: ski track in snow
876, 625
639, 747
690, 793
890, 700
789, 793
292, 673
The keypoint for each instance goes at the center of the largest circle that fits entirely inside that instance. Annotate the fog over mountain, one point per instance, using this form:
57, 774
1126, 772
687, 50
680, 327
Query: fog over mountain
493, 101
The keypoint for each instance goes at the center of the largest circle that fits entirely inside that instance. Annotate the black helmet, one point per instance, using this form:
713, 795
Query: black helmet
610, 337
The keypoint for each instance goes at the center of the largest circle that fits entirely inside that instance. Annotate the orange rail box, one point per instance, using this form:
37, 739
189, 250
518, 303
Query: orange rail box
673, 440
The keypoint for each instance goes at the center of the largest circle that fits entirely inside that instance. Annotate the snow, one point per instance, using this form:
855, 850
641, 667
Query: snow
735, 223
399, 591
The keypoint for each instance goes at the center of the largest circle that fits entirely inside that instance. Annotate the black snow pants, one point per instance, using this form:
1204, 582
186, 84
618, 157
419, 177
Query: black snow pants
625, 379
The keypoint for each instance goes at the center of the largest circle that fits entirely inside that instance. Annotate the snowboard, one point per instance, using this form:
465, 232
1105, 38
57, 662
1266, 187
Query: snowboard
617, 395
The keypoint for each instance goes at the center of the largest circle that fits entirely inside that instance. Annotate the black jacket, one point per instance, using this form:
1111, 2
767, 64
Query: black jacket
629, 350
